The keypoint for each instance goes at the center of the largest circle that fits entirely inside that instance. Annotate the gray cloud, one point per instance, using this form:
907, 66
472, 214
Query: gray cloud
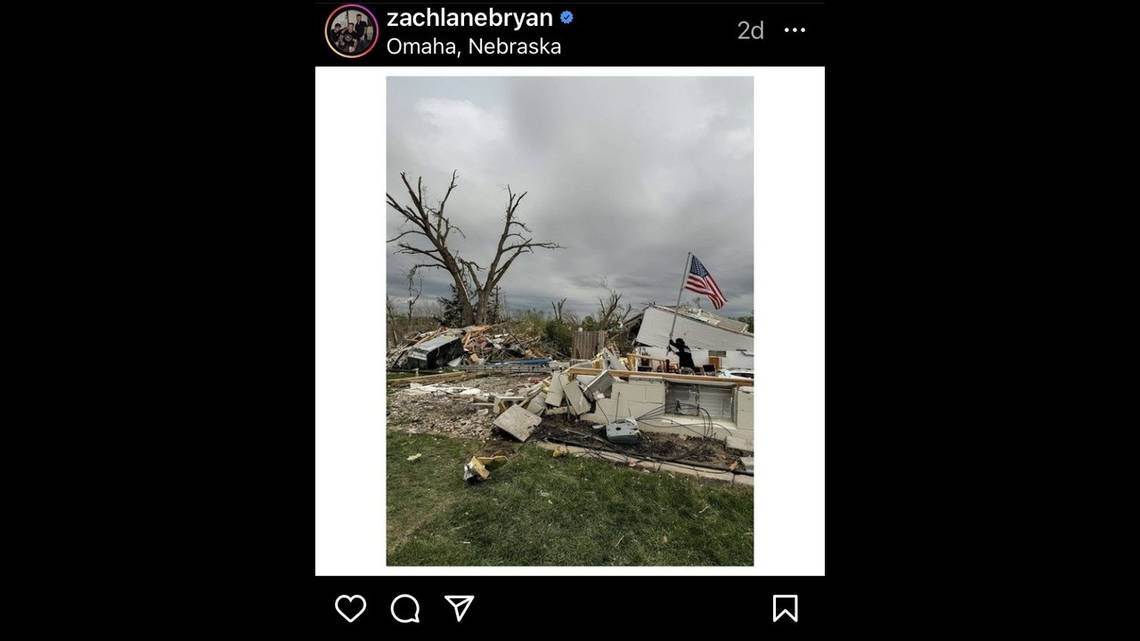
628, 174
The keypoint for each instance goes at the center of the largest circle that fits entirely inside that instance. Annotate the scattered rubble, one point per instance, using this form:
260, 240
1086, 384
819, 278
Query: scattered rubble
746, 463
587, 404
450, 410
477, 468
472, 345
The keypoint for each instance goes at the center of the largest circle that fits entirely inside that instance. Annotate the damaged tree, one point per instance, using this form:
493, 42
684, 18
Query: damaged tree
611, 315
435, 227
414, 293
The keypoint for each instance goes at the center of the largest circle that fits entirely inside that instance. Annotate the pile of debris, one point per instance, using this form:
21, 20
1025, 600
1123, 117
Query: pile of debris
471, 345
454, 407
599, 404
617, 407
580, 396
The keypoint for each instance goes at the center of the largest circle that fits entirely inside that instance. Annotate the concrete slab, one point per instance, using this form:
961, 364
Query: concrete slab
654, 466
603, 383
574, 398
677, 468
554, 396
594, 417
714, 475
536, 406
517, 422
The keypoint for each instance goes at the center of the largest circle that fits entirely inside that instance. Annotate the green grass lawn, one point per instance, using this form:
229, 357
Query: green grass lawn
540, 510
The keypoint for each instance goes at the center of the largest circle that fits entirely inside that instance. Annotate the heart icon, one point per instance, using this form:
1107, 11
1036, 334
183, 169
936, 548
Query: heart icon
350, 599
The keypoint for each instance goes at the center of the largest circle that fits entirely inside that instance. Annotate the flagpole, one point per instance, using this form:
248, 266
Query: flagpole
684, 277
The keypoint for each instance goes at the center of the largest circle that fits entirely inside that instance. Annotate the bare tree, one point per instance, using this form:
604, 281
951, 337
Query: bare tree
435, 227
392, 320
414, 292
610, 312
558, 309
512, 244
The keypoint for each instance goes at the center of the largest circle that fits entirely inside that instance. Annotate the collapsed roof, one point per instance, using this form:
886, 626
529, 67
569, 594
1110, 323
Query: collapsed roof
700, 329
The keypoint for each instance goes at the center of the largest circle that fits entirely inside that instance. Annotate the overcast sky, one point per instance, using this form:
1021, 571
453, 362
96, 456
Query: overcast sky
628, 174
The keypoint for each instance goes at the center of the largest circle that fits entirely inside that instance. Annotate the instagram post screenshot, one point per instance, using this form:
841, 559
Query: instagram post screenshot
569, 328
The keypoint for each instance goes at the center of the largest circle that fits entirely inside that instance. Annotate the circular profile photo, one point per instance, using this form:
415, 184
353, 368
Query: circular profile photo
351, 30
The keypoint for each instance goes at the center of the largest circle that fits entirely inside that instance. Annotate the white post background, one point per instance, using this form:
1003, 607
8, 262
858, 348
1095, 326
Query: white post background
789, 320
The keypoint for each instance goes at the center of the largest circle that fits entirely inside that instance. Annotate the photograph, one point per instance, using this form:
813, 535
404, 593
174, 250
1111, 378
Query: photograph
351, 32
569, 326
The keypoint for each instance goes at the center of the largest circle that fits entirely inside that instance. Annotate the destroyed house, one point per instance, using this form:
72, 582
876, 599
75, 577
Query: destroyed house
434, 353
717, 343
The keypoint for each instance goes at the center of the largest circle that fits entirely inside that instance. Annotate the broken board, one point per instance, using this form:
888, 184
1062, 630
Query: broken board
536, 406
574, 396
554, 396
517, 422
603, 383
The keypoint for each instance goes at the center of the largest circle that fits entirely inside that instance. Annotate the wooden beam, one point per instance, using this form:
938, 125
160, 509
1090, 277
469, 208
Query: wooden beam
429, 378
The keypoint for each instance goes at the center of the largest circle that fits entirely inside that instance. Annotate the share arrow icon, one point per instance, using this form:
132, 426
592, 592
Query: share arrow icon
460, 602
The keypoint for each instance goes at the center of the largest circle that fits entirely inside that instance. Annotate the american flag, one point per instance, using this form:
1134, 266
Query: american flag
701, 281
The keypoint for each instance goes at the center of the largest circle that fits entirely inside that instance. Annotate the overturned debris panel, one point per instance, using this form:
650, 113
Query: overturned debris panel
434, 353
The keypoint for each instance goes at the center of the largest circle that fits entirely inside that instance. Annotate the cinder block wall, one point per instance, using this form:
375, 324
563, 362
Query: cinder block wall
640, 395
743, 404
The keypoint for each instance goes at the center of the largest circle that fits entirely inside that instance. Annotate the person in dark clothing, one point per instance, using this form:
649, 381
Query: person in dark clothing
683, 353
361, 27
342, 38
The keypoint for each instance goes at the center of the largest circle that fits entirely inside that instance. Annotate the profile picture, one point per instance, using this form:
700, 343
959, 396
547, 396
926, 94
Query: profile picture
351, 30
